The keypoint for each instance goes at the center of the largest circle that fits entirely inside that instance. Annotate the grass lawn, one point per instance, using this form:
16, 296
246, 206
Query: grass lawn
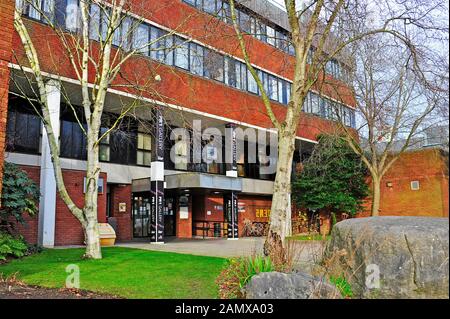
309, 237
125, 272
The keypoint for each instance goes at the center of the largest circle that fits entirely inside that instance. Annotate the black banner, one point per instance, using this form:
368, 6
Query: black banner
158, 140
157, 212
231, 138
231, 208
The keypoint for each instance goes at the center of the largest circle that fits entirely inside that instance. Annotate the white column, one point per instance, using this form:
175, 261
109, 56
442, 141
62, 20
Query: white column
47, 204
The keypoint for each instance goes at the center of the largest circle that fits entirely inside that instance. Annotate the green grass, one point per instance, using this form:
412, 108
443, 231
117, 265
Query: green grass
309, 237
125, 272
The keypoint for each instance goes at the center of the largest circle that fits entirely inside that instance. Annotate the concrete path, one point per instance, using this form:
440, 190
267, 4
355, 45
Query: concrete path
307, 253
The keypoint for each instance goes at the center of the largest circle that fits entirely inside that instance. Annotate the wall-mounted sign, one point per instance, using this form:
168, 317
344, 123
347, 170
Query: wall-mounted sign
262, 212
100, 185
122, 207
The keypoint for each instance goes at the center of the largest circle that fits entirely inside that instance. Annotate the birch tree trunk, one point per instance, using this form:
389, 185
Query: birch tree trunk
281, 210
91, 229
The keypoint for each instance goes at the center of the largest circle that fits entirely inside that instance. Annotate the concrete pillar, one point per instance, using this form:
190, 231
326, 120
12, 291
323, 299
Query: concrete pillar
47, 204
157, 181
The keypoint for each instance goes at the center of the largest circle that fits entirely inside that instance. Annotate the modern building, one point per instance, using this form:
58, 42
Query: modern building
202, 77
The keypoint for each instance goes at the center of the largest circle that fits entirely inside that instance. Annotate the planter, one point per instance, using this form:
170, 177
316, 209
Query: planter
107, 235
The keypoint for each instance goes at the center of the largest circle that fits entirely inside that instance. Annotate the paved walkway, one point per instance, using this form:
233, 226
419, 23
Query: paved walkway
307, 253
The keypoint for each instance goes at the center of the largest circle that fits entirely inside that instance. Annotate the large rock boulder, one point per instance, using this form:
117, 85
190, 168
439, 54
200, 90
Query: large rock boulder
276, 285
409, 253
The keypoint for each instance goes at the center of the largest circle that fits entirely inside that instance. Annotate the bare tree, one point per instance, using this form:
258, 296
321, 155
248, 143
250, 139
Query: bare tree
394, 105
327, 28
97, 66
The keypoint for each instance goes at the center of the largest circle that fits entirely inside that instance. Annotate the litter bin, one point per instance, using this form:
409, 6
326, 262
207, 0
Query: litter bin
216, 229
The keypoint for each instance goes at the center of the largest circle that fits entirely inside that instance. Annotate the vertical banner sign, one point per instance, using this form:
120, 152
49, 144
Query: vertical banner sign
231, 202
231, 149
157, 181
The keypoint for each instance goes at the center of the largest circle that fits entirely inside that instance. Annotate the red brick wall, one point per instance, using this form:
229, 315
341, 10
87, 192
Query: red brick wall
122, 194
68, 230
425, 166
6, 34
30, 230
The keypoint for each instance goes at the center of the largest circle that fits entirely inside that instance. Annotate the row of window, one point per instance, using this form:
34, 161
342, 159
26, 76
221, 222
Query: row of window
326, 108
127, 145
176, 51
269, 33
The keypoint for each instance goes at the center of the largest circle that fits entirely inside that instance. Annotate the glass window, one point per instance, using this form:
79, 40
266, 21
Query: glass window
34, 10
315, 103
169, 49
104, 149
196, 57
181, 53
245, 22
241, 75
209, 6
72, 15
270, 35
158, 44
273, 88
126, 32
230, 72
281, 41
260, 31
225, 12
144, 147
214, 65
94, 21
252, 85
140, 39
23, 128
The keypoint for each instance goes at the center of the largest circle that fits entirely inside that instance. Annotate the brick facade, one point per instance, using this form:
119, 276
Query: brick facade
429, 168
122, 194
68, 230
6, 34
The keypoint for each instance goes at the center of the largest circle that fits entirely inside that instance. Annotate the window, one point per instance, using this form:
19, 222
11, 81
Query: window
273, 88
315, 103
241, 76
415, 185
104, 148
283, 92
214, 65
209, 6
181, 53
158, 44
196, 59
94, 22
270, 35
23, 127
260, 31
140, 39
230, 72
72, 16
245, 22
144, 148
252, 85
281, 41
123, 142
72, 139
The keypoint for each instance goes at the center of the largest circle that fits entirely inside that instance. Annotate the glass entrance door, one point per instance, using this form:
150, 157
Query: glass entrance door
141, 216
